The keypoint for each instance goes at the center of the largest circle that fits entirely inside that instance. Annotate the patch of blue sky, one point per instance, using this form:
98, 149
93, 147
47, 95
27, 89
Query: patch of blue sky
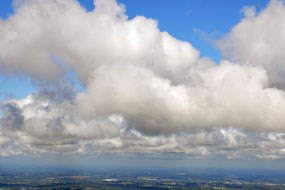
72, 77
6, 8
70, 74
15, 87
87, 4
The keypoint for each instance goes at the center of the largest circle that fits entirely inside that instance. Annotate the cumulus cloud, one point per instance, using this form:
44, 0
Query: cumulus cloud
222, 95
145, 91
85, 41
48, 128
258, 40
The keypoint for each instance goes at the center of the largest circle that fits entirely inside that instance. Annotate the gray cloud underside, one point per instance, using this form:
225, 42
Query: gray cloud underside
145, 90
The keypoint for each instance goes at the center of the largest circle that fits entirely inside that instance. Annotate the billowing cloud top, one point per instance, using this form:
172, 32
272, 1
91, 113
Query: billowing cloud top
145, 91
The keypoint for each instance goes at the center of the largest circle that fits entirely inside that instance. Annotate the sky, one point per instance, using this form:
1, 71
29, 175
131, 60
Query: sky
199, 22
163, 80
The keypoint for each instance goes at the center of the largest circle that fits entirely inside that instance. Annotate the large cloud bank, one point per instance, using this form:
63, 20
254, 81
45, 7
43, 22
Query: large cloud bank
145, 91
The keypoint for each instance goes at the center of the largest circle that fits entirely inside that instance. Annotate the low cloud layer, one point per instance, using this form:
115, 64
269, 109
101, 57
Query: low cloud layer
145, 91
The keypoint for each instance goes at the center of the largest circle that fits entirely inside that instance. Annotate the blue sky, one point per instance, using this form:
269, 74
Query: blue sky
198, 22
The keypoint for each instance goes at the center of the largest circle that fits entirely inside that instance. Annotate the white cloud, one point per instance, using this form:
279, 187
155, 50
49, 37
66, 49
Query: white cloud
53, 128
145, 90
222, 95
258, 40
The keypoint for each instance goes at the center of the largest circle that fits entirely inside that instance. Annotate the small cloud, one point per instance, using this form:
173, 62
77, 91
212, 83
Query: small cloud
249, 11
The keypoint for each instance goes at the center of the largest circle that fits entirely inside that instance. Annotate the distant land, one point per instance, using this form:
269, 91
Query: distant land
63, 178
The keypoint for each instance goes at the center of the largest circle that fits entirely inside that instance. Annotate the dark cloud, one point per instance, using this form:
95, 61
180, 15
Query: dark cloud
12, 118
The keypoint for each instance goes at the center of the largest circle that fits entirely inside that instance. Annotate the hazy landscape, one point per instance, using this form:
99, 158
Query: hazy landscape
56, 178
